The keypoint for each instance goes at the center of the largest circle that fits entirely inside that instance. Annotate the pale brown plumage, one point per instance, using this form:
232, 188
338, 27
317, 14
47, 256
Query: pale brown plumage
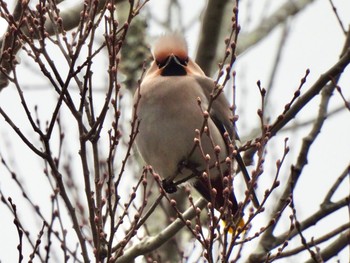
169, 114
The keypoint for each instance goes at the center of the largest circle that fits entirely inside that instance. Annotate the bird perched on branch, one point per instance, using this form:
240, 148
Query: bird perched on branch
186, 130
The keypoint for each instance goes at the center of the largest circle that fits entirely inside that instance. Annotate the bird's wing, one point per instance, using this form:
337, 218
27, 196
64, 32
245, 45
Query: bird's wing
222, 116
220, 111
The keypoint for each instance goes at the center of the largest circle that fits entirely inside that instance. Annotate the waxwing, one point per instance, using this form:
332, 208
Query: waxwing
172, 106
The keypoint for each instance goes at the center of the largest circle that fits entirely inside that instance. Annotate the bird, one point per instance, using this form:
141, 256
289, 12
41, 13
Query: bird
183, 133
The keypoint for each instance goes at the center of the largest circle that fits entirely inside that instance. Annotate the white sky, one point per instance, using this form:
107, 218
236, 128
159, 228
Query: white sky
315, 42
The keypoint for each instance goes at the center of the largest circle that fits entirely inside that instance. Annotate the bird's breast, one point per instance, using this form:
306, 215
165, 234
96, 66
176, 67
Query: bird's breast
169, 114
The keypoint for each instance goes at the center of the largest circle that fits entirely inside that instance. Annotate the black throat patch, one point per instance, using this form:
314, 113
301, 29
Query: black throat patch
173, 68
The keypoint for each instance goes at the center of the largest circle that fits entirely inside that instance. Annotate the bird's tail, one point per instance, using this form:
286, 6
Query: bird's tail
236, 229
221, 197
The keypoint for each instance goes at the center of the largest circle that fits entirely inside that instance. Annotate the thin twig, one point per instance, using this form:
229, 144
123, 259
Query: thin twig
151, 243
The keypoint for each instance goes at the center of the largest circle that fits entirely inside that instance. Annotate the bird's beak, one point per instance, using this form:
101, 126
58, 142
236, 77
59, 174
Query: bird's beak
173, 59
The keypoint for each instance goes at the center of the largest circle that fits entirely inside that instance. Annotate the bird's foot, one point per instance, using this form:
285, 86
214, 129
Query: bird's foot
169, 186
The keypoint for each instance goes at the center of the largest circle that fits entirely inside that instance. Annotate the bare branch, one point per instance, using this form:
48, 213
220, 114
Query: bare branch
151, 243
337, 16
336, 185
317, 241
334, 248
268, 241
209, 37
290, 8
70, 17
282, 120
9, 44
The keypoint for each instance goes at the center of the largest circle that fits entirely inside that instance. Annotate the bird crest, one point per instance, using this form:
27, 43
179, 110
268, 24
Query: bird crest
170, 44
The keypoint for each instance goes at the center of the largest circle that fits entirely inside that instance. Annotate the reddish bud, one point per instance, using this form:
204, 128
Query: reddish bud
173, 202
205, 175
207, 157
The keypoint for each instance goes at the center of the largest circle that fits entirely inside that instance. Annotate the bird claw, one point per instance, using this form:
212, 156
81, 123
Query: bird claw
169, 187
